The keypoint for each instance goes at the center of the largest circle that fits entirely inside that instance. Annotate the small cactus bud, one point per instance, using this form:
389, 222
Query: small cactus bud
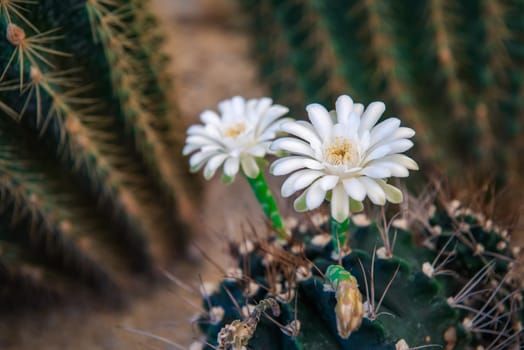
349, 309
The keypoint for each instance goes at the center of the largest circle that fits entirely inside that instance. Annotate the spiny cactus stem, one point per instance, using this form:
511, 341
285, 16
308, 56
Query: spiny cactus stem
339, 230
267, 201
15, 9
439, 18
136, 111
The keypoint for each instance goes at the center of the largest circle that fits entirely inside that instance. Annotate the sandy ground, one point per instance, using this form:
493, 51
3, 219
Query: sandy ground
210, 62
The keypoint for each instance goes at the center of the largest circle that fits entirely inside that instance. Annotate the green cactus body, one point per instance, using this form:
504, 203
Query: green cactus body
447, 284
85, 131
452, 70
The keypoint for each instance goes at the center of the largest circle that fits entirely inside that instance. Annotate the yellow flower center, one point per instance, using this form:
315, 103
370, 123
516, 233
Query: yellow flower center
235, 130
340, 152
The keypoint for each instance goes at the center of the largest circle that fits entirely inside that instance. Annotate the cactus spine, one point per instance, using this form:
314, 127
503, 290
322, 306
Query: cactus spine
454, 71
87, 129
450, 281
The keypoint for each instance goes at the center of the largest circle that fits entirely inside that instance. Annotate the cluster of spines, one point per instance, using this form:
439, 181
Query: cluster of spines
120, 26
296, 62
137, 74
454, 279
453, 71
83, 108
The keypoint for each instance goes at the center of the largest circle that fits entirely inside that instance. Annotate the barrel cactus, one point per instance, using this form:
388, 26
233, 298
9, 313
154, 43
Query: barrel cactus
449, 281
437, 274
89, 183
452, 70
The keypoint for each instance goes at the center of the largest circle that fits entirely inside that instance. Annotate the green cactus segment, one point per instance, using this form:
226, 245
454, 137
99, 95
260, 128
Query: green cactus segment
273, 54
339, 231
45, 210
87, 169
20, 282
292, 48
55, 105
438, 289
267, 202
295, 20
143, 103
410, 303
452, 71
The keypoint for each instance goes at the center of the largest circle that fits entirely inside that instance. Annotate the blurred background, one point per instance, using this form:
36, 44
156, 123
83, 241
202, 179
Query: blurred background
209, 61
457, 80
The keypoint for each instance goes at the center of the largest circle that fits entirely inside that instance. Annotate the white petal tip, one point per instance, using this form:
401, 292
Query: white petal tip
340, 217
344, 98
378, 104
314, 106
251, 175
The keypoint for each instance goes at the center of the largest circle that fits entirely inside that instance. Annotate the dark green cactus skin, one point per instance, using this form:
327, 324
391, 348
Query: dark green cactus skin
453, 71
419, 305
86, 140
19, 271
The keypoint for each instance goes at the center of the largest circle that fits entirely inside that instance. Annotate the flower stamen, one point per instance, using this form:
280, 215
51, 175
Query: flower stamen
234, 130
340, 152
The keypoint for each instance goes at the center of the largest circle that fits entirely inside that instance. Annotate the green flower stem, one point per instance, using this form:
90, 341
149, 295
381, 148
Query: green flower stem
267, 201
339, 230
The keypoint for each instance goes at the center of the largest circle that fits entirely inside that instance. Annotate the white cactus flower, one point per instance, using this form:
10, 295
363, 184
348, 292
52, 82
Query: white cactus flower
241, 133
344, 154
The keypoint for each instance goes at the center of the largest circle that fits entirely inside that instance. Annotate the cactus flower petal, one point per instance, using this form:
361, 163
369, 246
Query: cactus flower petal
250, 167
339, 204
236, 137
321, 120
315, 195
343, 154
